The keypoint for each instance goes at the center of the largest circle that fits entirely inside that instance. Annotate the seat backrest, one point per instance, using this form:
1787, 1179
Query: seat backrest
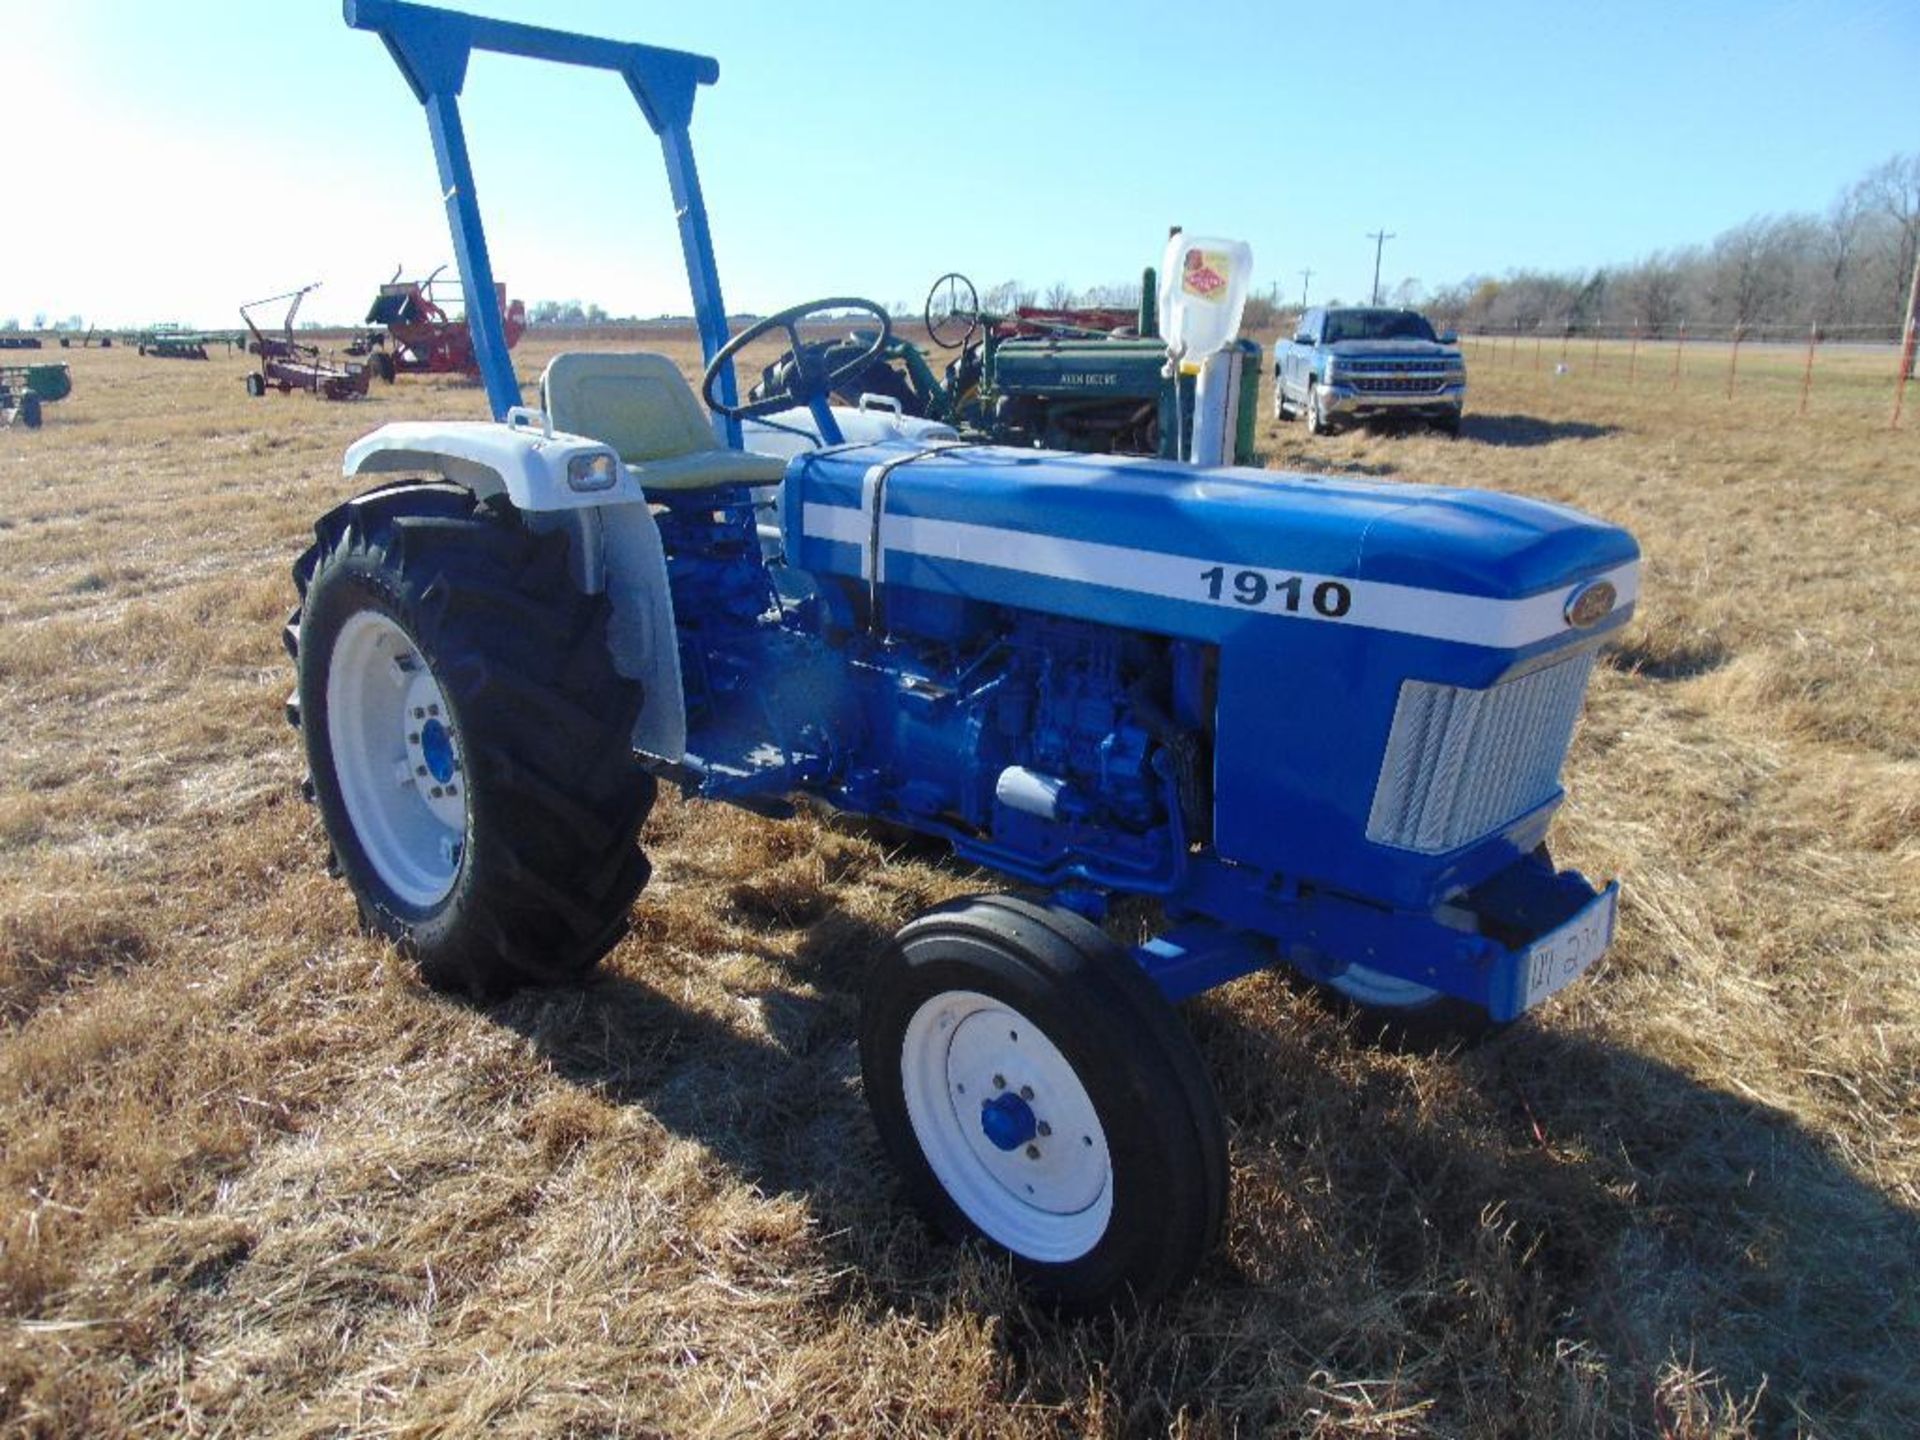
637, 402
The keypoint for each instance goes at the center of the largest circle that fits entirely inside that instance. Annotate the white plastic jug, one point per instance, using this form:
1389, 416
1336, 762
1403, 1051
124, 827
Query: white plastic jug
1203, 290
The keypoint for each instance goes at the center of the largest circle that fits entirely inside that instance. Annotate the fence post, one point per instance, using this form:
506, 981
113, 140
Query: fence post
1906, 370
1733, 360
1596, 350
1806, 375
1907, 345
1566, 334
1513, 350
1678, 345
1633, 355
1536, 345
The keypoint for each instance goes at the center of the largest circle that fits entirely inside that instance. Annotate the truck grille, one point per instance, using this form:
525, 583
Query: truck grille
1462, 763
1398, 367
1398, 384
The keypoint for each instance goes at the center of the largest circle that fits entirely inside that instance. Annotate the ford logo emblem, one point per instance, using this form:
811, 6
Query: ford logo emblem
1590, 604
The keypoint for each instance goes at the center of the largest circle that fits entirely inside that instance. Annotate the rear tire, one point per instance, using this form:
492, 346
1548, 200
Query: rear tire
1037, 1092
499, 847
30, 409
256, 385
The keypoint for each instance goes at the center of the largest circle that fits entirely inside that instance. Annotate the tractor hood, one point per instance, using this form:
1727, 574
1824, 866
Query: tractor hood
1208, 553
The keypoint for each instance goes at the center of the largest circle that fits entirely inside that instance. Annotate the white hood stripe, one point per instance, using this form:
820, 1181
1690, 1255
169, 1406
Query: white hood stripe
1401, 609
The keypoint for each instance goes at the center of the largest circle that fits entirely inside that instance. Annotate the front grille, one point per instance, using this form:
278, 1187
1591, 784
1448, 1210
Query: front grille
1462, 763
1399, 384
1398, 367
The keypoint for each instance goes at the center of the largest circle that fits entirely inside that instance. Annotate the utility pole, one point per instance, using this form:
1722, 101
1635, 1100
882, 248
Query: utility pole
1305, 277
1379, 238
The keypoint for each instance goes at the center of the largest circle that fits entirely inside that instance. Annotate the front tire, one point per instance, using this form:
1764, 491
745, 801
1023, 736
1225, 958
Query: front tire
1317, 423
1406, 1015
1036, 1091
468, 738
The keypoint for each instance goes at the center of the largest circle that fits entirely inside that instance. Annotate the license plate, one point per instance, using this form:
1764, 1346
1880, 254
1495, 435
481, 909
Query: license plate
1561, 956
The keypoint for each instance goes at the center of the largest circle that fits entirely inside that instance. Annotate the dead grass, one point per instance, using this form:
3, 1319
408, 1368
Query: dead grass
255, 1181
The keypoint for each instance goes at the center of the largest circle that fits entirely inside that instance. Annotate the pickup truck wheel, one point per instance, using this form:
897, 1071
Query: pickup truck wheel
1036, 1091
1316, 417
468, 738
1280, 410
1449, 424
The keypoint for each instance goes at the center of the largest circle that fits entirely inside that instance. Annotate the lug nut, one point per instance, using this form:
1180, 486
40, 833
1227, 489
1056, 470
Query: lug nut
1044, 1130
999, 1082
1026, 1092
1033, 1152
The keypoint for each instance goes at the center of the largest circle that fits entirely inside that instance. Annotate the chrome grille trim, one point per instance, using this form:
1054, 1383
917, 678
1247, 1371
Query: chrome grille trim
1461, 763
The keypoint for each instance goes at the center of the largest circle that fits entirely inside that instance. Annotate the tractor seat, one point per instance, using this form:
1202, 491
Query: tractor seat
642, 406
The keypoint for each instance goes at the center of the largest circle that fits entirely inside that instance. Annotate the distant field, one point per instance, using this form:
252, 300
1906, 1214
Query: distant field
256, 1181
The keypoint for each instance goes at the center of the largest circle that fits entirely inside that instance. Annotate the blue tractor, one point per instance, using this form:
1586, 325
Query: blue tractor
1319, 721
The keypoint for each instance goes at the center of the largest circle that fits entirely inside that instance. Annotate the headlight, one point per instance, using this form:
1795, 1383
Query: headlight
597, 471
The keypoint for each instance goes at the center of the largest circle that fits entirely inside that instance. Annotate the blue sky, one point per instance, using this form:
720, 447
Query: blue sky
198, 153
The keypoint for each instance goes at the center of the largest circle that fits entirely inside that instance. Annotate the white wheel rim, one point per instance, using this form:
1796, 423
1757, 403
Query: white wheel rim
978, 1074
397, 758
1374, 988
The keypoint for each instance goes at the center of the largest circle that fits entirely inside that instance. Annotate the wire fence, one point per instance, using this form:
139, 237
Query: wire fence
1818, 368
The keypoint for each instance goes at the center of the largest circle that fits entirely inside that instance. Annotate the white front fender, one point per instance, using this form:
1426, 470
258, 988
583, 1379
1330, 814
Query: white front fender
520, 458
616, 545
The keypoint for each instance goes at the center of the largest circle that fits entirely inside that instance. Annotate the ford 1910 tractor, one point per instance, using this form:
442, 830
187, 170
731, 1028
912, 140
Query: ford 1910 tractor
1319, 722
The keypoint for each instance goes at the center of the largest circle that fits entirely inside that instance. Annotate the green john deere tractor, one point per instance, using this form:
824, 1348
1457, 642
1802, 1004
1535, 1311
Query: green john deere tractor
25, 388
1089, 379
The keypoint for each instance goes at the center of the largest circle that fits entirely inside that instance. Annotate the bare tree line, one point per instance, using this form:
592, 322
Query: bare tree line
1845, 270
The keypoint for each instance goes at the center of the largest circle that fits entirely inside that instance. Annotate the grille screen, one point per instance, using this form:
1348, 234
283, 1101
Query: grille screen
1462, 763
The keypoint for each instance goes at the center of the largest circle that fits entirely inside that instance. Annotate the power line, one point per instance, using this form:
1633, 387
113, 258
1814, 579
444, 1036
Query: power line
1379, 238
1306, 276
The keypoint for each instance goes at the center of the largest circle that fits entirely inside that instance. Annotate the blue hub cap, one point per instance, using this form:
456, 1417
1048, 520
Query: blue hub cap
436, 748
1007, 1121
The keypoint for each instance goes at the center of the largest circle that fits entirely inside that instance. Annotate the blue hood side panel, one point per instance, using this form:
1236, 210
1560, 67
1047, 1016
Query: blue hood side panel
1306, 699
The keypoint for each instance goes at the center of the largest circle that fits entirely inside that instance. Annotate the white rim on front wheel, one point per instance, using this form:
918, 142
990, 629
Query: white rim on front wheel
397, 757
1006, 1126
1381, 991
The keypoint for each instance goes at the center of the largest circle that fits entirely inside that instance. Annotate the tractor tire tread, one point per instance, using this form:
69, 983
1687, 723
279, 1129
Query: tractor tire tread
547, 889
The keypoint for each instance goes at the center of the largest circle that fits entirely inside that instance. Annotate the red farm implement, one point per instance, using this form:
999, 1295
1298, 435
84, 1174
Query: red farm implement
287, 364
421, 337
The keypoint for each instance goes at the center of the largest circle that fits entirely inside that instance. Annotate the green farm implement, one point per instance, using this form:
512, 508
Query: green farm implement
24, 389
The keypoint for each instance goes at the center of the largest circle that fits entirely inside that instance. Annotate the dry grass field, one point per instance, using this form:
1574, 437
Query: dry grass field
255, 1180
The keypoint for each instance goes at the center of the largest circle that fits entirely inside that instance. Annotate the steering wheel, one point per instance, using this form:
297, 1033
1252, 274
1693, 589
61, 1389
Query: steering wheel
810, 381
945, 310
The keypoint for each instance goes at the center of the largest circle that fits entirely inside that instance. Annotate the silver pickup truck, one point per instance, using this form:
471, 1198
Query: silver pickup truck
1368, 364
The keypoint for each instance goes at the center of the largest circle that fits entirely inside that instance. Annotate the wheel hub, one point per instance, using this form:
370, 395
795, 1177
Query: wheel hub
1008, 1121
436, 748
